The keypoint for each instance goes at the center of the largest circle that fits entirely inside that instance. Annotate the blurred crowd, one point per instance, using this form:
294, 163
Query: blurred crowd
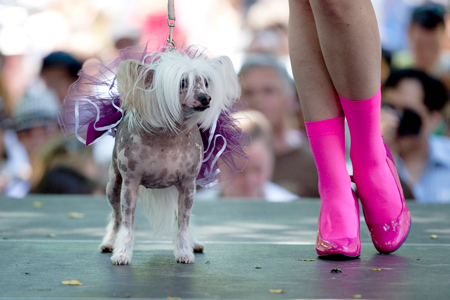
43, 44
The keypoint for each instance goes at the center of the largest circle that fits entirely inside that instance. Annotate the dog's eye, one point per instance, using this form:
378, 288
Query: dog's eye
206, 82
182, 84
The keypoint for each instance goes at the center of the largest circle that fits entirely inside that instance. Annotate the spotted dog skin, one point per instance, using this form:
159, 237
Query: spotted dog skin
155, 160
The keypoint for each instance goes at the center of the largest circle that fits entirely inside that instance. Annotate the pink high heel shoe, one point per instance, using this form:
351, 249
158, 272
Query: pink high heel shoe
388, 237
344, 247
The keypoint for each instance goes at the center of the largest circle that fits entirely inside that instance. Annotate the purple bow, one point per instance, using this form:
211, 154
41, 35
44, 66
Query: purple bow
103, 125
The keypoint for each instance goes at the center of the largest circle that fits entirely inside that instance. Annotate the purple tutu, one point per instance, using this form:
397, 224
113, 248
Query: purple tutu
92, 110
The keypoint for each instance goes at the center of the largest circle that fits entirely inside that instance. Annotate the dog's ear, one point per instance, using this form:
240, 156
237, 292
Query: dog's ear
136, 73
134, 81
147, 75
228, 76
222, 62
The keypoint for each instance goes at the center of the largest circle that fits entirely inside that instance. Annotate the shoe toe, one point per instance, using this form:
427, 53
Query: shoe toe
388, 237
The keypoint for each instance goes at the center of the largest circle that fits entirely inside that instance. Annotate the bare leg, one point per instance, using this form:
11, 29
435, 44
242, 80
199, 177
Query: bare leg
185, 244
113, 193
123, 248
350, 44
325, 125
318, 97
343, 36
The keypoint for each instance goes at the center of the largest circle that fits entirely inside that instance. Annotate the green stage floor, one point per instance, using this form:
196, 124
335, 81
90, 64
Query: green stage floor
42, 246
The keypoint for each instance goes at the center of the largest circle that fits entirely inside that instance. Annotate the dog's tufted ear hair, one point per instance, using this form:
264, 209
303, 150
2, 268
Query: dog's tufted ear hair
134, 81
136, 73
228, 76
222, 62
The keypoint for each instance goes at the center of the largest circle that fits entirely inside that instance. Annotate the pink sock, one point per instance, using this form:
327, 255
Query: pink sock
337, 212
374, 181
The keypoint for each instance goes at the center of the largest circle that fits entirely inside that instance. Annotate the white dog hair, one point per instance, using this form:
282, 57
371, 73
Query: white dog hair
147, 112
158, 149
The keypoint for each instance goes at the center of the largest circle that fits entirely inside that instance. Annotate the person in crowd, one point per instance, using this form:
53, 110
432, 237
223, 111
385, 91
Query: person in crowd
34, 117
68, 168
426, 37
393, 18
15, 170
267, 24
267, 87
254, 182
35, 123
412, 110
386, 65
59, 70
64, 180
5, 97
445, 125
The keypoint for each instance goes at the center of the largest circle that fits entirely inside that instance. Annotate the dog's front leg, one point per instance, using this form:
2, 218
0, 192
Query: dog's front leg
123, 248
184, 244
113, 190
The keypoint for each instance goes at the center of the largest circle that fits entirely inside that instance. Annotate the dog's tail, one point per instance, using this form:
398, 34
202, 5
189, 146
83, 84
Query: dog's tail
160, 206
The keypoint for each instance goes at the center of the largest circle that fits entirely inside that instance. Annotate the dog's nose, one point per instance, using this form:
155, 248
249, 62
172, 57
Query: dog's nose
204, 99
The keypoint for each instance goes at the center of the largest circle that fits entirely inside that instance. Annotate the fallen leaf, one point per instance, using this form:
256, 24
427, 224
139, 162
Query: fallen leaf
127, 296
38, 204
306, 259
71, 282
336, 270
75, 215
173, 298
376, 269
257, 267
17, 265
357, 296
434, 236
51, 235
276, 291
208, 262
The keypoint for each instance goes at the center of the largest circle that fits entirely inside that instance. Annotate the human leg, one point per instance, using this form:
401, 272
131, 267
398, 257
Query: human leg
318, 97
349, 40
325, 126
350, 43
338, 231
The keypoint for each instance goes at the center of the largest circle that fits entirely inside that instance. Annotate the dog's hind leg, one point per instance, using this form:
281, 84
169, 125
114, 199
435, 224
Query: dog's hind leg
198, 247
185, 243
113, 189
123, 247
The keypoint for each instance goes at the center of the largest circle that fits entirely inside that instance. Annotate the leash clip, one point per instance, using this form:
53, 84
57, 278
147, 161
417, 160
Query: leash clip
171, 17
170, 40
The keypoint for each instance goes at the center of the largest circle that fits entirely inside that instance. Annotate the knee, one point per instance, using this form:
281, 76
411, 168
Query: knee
336, 9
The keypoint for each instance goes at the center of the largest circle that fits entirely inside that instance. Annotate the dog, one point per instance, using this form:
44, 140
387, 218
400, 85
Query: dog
167, 99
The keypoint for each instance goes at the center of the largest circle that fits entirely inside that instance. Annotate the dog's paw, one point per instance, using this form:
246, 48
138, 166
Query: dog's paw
198, 247
185, 258
106, 248
120, 259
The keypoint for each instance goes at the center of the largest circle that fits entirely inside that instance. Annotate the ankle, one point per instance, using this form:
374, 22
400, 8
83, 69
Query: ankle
339, 217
